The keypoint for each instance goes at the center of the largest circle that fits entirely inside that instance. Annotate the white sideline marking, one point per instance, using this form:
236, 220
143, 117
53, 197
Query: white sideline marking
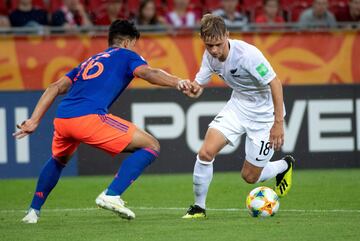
184, 209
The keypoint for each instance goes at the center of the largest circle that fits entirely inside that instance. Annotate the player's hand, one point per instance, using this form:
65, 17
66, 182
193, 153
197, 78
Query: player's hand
195, 90
277, 135
184, 85
194, 93
27, 127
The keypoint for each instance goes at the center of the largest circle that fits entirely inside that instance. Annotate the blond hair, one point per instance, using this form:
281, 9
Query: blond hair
212, 27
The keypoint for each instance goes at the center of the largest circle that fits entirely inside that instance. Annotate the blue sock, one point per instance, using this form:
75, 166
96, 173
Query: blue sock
48, 178
130, 170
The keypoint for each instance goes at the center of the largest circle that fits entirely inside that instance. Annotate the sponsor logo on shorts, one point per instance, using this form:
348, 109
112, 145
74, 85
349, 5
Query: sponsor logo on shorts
259, 160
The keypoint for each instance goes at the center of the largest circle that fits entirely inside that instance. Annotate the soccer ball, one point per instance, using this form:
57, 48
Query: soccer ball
262, 202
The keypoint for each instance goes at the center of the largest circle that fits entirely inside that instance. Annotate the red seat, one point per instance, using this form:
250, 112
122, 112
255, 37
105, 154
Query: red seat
251, 5
98, 12
296, 9
36, 3
259, 10
338, 2
197, 7
96, 7
3, 7
192, 3
252, 8
133, 6
338, 8
211, 5
288, 5
56, 4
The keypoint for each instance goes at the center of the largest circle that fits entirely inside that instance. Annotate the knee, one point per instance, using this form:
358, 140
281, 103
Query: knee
206, 155
155, 145
249, 177
63, 160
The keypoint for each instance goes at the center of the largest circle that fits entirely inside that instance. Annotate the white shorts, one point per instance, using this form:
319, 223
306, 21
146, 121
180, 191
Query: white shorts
232, 126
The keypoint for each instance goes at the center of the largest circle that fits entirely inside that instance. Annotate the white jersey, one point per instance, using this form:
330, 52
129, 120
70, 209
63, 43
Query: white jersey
248, 73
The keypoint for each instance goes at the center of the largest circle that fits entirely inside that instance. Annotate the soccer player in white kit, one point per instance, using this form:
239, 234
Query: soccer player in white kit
255, 108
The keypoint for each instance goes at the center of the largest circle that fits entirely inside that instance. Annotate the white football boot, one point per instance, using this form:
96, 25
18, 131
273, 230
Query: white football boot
32, 216
115, 204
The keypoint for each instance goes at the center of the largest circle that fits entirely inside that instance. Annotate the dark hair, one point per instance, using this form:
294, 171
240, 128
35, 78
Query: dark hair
120, 30
140, 19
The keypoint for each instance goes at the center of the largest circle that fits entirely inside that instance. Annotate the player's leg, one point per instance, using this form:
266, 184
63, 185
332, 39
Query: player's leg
278, 169
203, 171
284, 179
257, 166
62, 149
114, 135
47, 180
225, 129
145, 149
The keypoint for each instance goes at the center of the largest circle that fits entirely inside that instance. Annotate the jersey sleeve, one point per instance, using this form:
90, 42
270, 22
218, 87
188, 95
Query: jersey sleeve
258, 66
72, 74
135, 61
205, 72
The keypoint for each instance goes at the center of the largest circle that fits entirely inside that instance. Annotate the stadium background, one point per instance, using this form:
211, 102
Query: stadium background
319, 71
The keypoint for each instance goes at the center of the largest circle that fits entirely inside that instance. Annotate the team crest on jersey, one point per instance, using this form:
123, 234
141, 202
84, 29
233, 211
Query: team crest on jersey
233, 71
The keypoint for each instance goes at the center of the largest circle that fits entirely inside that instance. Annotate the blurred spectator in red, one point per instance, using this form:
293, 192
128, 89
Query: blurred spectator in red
180, 16
26, 15
71, 15
317, 16
230, 14
4, 21
270, 13
147, 14
351, 13
113, 11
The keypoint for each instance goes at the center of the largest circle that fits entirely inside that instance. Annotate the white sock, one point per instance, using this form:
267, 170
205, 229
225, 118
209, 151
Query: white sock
271, 169
203, 173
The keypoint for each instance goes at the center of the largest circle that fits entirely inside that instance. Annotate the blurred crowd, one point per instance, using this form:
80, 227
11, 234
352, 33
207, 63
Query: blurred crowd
178, 13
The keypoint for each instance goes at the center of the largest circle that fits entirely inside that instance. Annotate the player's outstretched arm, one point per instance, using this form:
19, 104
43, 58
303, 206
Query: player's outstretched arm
277, 131
57, 88
162, 78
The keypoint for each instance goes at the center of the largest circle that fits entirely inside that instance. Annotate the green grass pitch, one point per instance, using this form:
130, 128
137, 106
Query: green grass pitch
323, 205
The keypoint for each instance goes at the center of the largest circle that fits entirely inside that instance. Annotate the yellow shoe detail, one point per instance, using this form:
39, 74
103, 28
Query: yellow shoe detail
195, 212
284, 180
196, 215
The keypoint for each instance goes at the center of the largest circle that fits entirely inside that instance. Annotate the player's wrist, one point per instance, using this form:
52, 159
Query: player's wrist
279, 121
34, 120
